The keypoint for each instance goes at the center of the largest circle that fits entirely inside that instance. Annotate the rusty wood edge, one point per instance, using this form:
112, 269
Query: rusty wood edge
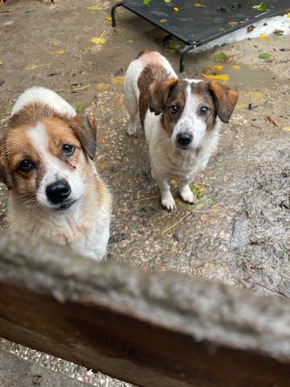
149, 328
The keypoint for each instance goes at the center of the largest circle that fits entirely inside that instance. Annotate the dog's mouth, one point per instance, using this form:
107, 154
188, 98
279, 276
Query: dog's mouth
63, 206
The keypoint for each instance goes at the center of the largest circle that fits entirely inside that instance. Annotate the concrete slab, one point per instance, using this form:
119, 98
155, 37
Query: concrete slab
16, 372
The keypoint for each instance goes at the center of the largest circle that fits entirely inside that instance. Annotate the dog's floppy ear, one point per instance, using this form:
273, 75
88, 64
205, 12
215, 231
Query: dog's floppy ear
158, 94
225, 99
85, 129
5, 174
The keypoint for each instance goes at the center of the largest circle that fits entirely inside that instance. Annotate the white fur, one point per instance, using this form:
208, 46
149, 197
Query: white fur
166, 159
47, 96
84, 226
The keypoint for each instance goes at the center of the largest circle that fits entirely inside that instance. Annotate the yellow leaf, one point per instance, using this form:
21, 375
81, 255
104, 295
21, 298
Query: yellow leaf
98, 40
263, 37
233, 23
173, 182
31, 67
236, 67
286, 127
103, 165
108, 19
95, 8
219, 77
102, 86
175, 9
58, 52
255, 95
163, 20
242, 106
219, 68
118, 80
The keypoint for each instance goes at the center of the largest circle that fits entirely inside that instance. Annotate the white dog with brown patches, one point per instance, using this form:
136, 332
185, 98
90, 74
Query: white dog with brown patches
46, 161
181, 118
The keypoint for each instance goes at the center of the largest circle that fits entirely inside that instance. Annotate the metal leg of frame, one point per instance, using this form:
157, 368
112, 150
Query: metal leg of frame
182, 55
113, 12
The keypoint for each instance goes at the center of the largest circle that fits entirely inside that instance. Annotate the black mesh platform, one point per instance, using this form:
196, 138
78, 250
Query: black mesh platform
196, 26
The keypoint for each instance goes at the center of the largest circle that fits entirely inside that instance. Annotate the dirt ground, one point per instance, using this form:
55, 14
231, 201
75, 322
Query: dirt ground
238, 231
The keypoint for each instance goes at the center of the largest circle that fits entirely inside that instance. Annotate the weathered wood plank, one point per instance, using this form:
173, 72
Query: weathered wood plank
151, 329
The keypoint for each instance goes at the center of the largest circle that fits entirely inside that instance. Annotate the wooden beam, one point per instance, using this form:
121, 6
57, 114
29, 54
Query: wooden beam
148, 328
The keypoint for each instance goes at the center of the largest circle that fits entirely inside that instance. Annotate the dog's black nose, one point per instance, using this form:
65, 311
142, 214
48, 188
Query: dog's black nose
184, 139
58, 191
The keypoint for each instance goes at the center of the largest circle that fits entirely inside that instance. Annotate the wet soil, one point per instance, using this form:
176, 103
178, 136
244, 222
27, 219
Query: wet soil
238, 231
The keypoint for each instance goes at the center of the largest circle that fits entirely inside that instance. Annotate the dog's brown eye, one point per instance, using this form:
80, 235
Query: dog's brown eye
68, 150
26, 166
173, 109
203, 111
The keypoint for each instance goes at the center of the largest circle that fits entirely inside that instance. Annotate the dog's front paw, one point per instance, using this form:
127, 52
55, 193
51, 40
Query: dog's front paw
132, 130
168, 202
186, 194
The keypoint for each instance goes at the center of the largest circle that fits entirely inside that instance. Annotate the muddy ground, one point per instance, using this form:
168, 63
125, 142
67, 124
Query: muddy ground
239, 229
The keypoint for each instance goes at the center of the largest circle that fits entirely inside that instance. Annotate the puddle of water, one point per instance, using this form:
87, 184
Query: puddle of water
142, 34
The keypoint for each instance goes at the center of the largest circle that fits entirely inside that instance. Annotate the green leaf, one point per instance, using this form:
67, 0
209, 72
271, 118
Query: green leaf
264, 55
221, 57
79, 108
146, 2
261, 7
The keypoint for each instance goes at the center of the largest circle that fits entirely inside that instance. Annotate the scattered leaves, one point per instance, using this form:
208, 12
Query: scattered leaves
261, 7
264, 55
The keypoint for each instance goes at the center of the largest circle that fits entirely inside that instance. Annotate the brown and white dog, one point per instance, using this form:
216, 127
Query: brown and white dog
46, 161
181, 118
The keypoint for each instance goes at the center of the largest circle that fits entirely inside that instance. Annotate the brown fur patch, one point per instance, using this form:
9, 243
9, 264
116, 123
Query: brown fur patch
149, 75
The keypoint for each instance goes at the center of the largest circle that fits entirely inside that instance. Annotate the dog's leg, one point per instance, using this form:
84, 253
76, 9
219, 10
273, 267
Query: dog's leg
185, 192
133, 110
167, 199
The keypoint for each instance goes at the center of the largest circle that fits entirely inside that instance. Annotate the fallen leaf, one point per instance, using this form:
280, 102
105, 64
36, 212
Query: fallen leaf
272, 121
219, 77
102, 86
31, 67
260, 7
98, 40
118, 80
286, 128
263, 37
219, 68
146, 2
79, 89
175, 9
221, 57
108, 19
236, 67
79, 108
163, 20
255, 95
264, 55
242, 106
58, 52
250, 29
199, 4
167, 1
103, 165
233, 23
